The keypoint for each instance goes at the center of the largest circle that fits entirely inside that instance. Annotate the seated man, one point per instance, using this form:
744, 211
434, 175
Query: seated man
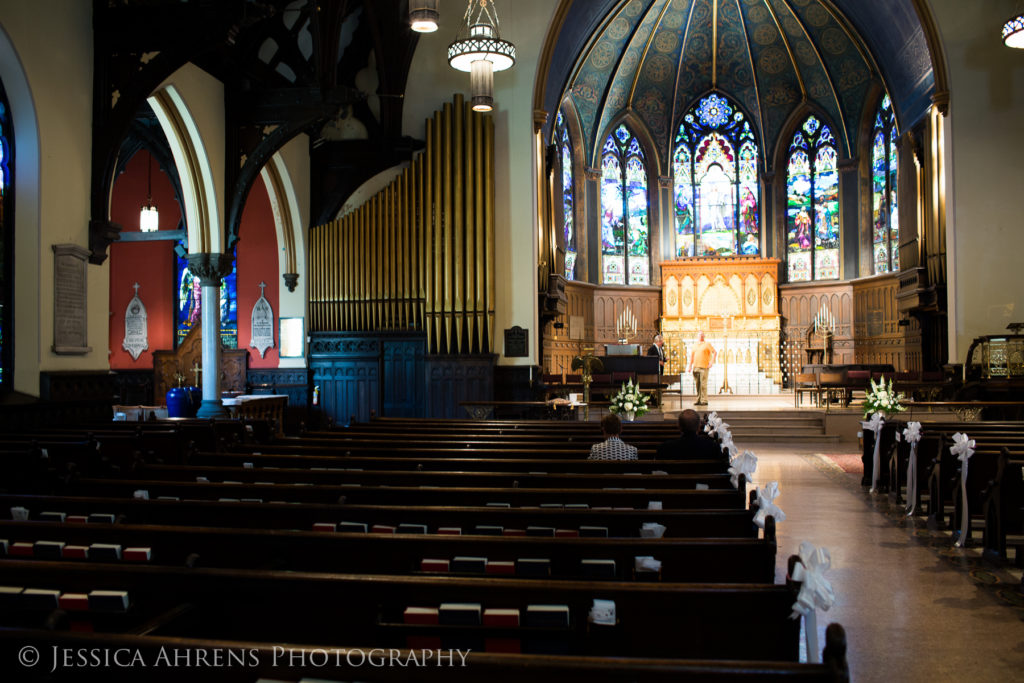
612, 447
691, 444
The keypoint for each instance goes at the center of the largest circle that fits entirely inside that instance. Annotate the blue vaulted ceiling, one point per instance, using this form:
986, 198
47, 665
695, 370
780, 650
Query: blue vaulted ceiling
655, 58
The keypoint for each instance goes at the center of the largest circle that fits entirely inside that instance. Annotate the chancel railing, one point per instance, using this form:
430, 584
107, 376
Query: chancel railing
419, 255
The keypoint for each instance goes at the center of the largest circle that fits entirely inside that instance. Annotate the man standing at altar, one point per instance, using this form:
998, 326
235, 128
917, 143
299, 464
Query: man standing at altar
701, 359
657, 349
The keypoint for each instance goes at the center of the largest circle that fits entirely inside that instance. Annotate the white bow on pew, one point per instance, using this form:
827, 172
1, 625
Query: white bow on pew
912, 433
766, 505
727, 443
815, 593
745, 464
875, 425
963, 449
714, 423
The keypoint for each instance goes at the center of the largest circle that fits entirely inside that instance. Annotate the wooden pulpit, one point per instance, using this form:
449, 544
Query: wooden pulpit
169, 363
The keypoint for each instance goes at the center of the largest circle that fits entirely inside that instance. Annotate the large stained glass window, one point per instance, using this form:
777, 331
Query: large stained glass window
625, 244
6, 243
717, 197
885, 229
812, 210
188, 308
565, 151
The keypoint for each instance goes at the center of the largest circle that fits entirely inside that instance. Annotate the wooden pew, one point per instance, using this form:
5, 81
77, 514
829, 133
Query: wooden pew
747, 560
294, 661
412, 477
405, 495
654, 620
269, 457
723, 523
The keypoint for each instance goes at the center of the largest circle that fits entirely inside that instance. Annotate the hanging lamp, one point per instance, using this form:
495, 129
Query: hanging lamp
1013, 32
149, 217
423, 15
479, 50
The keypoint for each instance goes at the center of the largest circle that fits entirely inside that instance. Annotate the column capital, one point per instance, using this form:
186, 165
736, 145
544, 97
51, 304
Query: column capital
210, 267
592, 173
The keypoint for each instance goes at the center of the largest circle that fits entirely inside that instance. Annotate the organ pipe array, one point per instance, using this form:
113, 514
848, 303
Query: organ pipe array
419, 255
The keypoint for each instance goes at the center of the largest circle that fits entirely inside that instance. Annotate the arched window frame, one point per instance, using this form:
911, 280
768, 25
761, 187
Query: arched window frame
6, 244
621, 152
813, 152
715, 124
885, 231
564, 144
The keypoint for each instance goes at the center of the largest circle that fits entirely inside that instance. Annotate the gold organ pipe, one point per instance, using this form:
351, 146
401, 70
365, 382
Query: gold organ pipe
469, 195
329, 275
427, 217
438, 241
489, 225
421, 241
479, 227
314, 279
449, 227
419, 254
385, 257
458, 216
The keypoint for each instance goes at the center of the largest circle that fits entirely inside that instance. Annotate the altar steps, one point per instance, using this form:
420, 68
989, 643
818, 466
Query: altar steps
792, 426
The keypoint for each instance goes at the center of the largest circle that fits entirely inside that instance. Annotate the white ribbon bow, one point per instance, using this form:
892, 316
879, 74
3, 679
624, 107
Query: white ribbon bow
912, 433
815, 593
745, 464
766, 505
727, 443
963, 449
875, 425
712, 423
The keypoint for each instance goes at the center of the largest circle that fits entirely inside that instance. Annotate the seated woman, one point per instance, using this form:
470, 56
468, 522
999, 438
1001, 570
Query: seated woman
612, 448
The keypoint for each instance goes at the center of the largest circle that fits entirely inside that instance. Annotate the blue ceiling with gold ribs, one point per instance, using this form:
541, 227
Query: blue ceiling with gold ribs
657, 57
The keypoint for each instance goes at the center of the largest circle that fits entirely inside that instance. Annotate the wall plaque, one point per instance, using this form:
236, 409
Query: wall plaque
516, 342
136, 327
262, 324
69, 299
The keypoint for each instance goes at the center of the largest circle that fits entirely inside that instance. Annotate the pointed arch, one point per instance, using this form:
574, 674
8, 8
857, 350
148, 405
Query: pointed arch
881, 153
198, 185
625, 209
716, 163
812, 234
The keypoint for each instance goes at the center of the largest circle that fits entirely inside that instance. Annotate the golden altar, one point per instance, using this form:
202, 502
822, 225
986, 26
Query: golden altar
734, 301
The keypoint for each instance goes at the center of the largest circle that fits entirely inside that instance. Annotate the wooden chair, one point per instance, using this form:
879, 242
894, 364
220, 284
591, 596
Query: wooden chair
806, 383
833, 384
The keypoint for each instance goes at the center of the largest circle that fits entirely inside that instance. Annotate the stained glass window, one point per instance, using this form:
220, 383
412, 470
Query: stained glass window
565, 150
885, 230
188, 308
625, 243
6, 233
717, 196
812, 209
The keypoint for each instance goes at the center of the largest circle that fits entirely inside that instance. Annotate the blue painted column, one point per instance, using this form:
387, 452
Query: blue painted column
210, 269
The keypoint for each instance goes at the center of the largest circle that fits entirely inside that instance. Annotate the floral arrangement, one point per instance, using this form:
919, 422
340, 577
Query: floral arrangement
630, 400
882, 399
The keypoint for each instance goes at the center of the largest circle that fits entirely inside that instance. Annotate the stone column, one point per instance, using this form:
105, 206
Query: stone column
210, 269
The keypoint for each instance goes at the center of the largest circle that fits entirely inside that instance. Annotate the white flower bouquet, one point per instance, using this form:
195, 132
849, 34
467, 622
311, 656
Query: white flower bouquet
882, 399
630, 400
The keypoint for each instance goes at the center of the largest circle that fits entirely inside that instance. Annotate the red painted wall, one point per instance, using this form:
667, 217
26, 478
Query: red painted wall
151, 264
257, 262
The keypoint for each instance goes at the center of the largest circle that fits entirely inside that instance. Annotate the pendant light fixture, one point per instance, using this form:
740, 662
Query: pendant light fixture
149, 217
423, 15
479, 50
1013, 32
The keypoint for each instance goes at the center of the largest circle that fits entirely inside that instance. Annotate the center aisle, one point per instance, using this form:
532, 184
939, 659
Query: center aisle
909, 613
